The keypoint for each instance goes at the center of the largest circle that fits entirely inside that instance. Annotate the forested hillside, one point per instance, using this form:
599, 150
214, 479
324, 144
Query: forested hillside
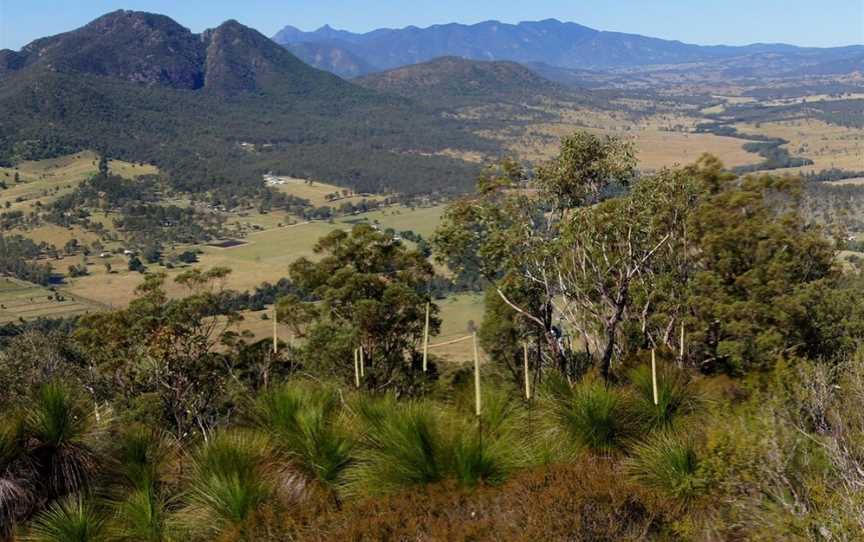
451, 82
194, 106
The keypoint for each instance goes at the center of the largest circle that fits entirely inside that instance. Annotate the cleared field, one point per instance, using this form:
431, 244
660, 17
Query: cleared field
58, 235
422, 220
264, 257
23, 300
317, 192
45, 180
660, 140
458, 312
858, 181
829, 146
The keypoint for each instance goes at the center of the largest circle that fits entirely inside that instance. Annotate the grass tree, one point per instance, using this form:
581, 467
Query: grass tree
233, 475
141, 515
62, 433
668, 463
17, 491
676, 396
47, 451
591, 416
70, 519
304, 423
487, 449
402, 445
140, 460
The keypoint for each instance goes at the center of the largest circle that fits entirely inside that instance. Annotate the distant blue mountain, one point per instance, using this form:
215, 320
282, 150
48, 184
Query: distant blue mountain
550, 42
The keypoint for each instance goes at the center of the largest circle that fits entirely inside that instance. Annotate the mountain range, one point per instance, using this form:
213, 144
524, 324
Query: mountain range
216, 110
549, 42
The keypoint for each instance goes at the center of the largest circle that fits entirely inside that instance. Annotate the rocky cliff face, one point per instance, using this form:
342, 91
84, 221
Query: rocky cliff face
134, 46
154, 50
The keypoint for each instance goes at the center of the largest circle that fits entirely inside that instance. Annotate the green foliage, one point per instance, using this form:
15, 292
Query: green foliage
141, 455
585, 167
173, 349
676, 396
142, 515
402, 446
17, 495
669, 464
369, 290
731, 259
502, 335
232, 477
47, 451
485, 458
303, 422
61, 432
592, 416
17, 255
763, 277
71, 519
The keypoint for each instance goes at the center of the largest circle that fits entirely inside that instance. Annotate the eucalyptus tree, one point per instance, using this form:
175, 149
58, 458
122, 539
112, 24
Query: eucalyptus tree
564, 247
368, 291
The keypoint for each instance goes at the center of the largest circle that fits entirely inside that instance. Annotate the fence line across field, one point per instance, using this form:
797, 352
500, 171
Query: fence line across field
454, 341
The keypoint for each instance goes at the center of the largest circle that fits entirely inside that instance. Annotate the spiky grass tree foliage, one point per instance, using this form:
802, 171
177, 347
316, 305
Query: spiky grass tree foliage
304, 424
62, 433
233, 475
487, 450
17, 494
676, 396
590, 415
403, 445
142, 515
668, 464
484, 459
70, 519
141, 458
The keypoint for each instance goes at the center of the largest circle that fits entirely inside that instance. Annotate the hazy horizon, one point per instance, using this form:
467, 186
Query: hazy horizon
736, 22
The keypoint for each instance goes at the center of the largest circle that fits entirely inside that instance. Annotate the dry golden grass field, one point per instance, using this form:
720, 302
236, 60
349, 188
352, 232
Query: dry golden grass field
20, 299
317, 192
657, 142
264, 256
44, 180
828, 145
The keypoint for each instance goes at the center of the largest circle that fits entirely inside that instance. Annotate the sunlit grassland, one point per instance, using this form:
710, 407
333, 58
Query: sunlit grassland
317, 192
45, 180
20, 299
657, 142
828, 145
422, 220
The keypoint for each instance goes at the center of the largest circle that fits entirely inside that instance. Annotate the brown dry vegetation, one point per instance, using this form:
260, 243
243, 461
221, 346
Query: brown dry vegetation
657, 145
316, 192
828, 145
44, 180
588, 500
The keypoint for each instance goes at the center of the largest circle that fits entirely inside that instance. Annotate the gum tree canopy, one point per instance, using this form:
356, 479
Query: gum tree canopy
368, 290
582, 248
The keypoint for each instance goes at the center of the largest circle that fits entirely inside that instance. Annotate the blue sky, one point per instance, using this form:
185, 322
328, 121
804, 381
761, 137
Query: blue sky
801, 22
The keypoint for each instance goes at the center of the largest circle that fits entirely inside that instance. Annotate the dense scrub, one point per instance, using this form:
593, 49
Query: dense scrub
754, 461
